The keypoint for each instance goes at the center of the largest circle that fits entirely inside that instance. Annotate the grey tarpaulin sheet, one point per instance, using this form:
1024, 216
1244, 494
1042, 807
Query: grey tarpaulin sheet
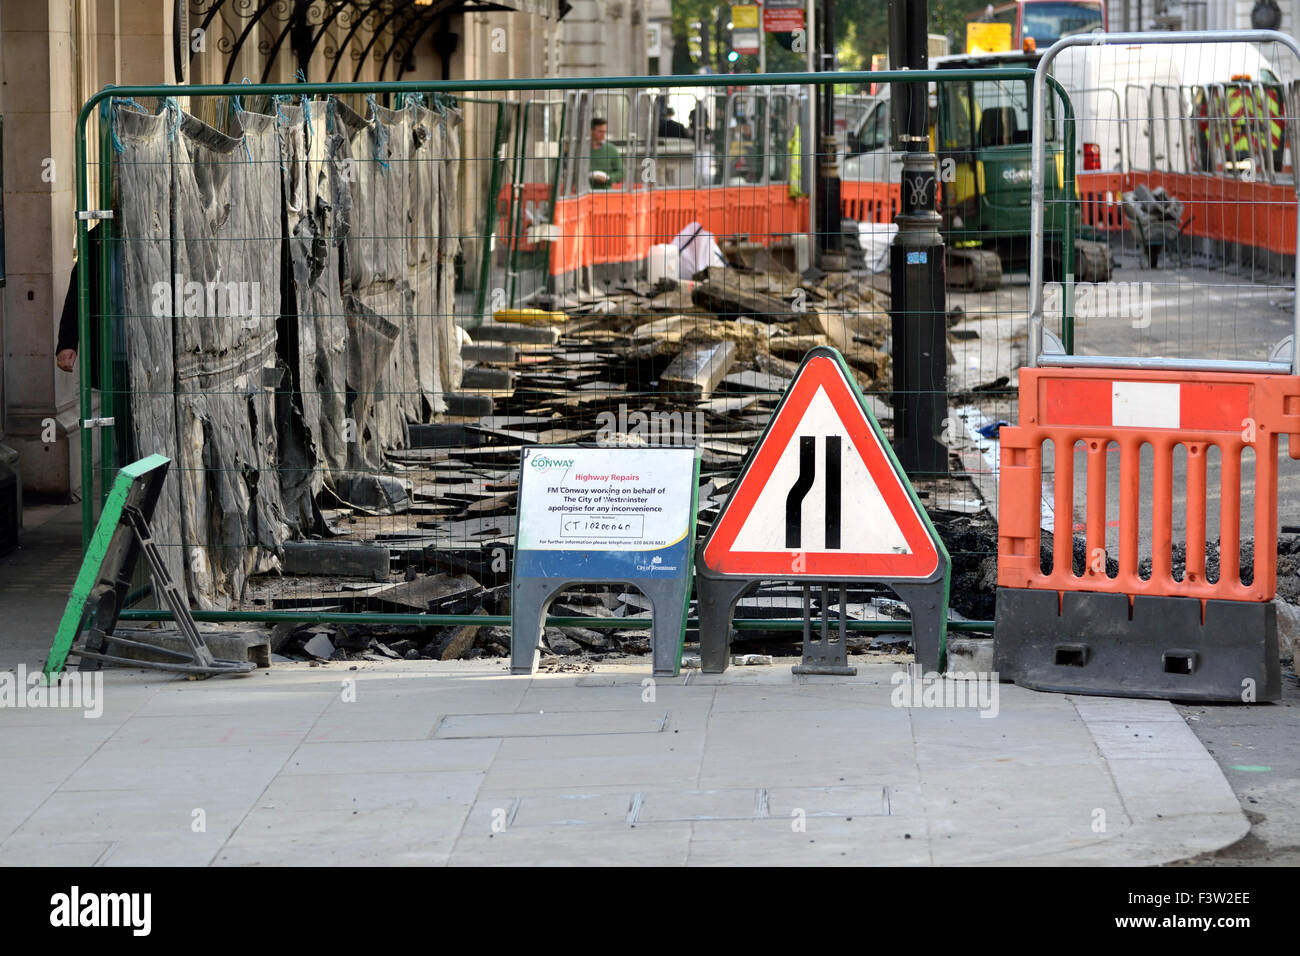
313, 427
392, 294
448, 232
377, 295
226, 243
264, 403
424, 173
143, 185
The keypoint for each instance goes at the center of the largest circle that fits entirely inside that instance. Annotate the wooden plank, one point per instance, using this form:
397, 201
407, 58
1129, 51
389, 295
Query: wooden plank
750, 381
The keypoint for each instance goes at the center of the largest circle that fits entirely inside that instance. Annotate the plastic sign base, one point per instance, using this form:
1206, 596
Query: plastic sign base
594, 515
532, 599
822, 500
717, 596
1088, 643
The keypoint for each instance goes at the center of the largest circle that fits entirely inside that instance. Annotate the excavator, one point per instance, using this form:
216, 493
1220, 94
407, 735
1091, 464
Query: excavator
981, 133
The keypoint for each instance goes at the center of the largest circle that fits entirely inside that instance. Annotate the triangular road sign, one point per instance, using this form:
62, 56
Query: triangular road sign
822, 495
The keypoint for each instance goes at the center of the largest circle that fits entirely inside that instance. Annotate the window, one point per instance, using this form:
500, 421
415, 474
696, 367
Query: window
1048, 22
875, 135
1002, 113
956, 130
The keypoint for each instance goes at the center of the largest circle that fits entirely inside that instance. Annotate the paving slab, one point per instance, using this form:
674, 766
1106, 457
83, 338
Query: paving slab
460, 763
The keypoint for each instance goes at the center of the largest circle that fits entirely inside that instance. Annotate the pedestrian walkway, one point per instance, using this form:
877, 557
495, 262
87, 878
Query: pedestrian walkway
421, 762
460, 763
35, 580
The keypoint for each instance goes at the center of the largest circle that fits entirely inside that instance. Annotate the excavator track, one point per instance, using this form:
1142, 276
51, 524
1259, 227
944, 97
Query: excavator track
973, 270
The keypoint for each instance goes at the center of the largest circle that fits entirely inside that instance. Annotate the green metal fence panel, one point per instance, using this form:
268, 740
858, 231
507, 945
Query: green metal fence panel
448, 282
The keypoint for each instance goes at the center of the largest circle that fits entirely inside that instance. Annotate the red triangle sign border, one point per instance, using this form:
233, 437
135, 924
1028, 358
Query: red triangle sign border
822, 372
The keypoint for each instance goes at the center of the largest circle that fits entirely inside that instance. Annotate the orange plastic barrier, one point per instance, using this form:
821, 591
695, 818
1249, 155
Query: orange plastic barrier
1099, 198
1095, 407
870, 201
1261, 215
620, 226
534, 198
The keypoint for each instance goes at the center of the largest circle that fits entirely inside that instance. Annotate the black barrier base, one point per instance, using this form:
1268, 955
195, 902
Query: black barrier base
1093, 645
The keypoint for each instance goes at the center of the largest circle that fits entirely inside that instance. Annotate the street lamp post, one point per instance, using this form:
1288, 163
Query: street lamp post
830, 240
916, 261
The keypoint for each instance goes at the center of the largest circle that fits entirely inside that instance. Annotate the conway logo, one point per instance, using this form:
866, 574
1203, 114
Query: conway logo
542, 463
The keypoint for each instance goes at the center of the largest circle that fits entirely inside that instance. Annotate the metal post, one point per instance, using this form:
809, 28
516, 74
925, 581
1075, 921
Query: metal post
808, 143
84, 338
108, 319
826, 195
494, 185
916, 262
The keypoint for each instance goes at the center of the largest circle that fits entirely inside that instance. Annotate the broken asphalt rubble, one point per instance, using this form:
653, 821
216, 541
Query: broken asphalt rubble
699, 363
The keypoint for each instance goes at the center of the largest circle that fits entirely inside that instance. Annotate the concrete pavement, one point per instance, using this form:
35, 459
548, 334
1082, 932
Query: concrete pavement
460, 763
424, 762
35, 580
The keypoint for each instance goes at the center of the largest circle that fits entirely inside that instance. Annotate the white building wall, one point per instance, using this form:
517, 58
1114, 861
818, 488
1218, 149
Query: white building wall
603, 38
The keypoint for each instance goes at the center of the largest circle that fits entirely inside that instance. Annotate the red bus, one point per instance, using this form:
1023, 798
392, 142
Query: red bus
1037, 24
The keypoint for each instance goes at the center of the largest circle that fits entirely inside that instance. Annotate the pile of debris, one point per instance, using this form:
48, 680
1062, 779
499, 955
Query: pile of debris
701, 364
461, 594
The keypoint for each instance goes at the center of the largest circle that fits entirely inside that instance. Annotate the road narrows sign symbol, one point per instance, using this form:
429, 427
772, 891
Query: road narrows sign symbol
822, 488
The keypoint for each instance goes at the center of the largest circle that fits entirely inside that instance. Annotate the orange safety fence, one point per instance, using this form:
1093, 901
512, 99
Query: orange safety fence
621, 225
1260, 215
1095, 408
870, 201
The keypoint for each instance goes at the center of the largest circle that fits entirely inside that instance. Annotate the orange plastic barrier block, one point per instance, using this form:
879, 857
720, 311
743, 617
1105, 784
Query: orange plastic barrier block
1087, 411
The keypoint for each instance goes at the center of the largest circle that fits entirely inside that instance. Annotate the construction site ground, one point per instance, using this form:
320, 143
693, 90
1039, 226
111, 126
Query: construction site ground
457, 762
585, 766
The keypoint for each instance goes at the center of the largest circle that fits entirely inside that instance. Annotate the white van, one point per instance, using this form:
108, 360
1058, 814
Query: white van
1136, 106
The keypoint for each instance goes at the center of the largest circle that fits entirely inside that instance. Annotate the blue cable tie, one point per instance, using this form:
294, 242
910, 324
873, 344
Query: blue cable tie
117, 103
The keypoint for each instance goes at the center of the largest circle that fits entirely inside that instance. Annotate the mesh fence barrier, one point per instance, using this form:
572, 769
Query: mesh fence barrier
344, 310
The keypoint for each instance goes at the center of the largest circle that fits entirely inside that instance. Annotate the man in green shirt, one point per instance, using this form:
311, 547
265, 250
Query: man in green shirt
606, 163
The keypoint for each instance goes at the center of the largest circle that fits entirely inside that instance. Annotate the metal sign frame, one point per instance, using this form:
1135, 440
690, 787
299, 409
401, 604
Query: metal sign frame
717, 592
100, 591
533, 589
